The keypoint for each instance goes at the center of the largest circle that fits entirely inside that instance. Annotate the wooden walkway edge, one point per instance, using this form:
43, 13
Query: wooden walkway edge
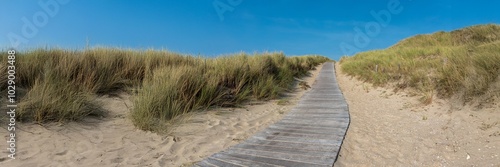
309, 135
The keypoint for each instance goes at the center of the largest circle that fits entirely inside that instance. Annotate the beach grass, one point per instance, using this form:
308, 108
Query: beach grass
62, 85
461, 63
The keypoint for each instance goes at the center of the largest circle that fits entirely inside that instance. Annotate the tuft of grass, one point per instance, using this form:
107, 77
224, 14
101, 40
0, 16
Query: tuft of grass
284, 101
56, 100
459, 63
169, 92
304, 85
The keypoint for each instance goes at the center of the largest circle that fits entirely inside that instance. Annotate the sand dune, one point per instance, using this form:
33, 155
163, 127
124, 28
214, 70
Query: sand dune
395, 129
387, 129
114, 141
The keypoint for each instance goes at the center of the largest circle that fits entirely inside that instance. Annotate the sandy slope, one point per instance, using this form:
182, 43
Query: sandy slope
394, 129
114, 141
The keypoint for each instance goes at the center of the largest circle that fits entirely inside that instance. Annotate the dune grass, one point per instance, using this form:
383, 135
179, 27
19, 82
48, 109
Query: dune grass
224, 81
61, 85
461, 63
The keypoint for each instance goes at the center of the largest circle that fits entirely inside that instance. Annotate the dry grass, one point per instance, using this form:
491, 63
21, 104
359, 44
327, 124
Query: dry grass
61, 84
459, 63
304, 85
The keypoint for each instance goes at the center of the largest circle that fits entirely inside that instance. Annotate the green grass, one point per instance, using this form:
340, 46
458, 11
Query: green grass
460, 63
61, 85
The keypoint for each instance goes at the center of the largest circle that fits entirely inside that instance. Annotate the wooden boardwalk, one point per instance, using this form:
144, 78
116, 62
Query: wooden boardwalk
309, 135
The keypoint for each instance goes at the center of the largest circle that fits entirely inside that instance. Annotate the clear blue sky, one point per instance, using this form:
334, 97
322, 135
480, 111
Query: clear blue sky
295, 27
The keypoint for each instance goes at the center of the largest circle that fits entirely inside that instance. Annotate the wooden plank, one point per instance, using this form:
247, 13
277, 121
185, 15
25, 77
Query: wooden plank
239, 161
220, 162
308, 146
336, 143
318, 114
312, 128
320, 106
320, 110
258, 158
316, 96
322, 100
298, 134
323, 94
286, 150
305, 115
343, 125
317, 119
299, 140
315, 113
333, 122
204, 163
330, 105
323, 160
305, 130
339, 122
304, 107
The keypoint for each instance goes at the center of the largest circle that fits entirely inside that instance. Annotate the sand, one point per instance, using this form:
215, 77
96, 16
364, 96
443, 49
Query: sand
114, 141
395, 129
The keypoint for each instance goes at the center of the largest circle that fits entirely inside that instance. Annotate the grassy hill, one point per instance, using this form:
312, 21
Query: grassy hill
463, 63
61, 85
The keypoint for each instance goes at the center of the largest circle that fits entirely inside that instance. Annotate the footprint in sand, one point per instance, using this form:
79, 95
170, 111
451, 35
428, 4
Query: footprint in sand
96, 137
61, 153
117, 160
129, 145
33, 151
242, 124
214, 122
84, 147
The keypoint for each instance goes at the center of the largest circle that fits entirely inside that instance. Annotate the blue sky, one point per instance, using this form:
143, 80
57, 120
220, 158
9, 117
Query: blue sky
296, 27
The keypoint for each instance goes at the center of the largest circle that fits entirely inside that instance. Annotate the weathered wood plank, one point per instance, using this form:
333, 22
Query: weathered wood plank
316, 115
309, 135
339, 122
319, 147
239, 161
222, 162
320, 106
340, 125
307, 100
298, 134
204, 163
323, 96
317, 119
302, 130
258, 158
299, 140
286, 150
338, 110
323, 160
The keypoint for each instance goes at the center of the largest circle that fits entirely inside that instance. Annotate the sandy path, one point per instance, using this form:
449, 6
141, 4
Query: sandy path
114, 141
394, 129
